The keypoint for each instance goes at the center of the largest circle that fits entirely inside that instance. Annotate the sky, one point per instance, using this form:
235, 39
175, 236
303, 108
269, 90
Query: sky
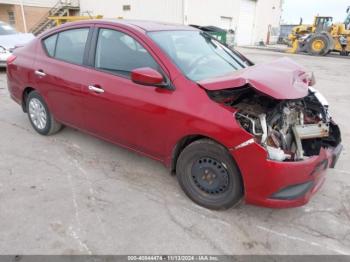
307, 9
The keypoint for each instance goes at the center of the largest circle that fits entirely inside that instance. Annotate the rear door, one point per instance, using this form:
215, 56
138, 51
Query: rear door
118, 109
59, 70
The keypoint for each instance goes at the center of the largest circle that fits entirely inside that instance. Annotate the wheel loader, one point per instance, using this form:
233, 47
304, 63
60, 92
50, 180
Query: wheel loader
322, 37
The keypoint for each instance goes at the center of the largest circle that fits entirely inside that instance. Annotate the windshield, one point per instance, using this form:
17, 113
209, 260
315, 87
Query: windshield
198, 55
5, 29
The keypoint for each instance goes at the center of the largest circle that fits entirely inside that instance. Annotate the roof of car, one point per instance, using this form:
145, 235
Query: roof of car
143, 24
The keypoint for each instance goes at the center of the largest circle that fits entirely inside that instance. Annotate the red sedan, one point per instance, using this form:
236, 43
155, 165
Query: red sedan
229, 129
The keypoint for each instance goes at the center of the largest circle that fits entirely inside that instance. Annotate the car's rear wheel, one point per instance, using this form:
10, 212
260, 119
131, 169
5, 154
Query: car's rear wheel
39, 115
209, 176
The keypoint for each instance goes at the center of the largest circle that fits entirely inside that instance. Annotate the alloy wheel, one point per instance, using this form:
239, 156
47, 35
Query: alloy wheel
37, 113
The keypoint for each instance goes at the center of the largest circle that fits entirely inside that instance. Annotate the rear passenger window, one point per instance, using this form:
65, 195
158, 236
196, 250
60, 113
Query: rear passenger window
119, 53
50, 44
71, 45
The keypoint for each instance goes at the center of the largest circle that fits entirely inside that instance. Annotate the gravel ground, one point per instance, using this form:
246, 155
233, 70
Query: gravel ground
74, 194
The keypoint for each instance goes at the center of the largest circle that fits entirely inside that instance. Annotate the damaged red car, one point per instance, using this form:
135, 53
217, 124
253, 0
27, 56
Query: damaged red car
229, 129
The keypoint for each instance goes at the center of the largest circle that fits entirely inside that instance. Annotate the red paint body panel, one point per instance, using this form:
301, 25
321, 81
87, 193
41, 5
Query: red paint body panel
147, 76
280, 79
62, 88
263, 177
20, 77
153, 120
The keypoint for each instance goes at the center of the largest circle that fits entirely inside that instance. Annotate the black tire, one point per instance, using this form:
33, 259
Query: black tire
324, 50
51, 126
224, 188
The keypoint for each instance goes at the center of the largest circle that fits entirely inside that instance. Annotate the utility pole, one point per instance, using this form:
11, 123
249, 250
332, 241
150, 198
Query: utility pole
23, 16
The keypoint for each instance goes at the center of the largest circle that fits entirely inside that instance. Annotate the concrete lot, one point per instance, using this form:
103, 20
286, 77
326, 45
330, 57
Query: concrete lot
74, 194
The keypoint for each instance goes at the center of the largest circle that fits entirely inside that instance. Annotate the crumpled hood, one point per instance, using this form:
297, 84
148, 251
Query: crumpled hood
11, 41
280, 79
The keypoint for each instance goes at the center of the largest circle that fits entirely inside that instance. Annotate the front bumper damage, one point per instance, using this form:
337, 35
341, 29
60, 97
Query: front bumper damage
288, 137
277, 184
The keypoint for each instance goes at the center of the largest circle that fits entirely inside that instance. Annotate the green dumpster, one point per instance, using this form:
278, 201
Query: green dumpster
217, 32
221, 36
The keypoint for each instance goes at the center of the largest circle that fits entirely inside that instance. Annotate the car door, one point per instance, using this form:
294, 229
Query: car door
59, 70
118, 109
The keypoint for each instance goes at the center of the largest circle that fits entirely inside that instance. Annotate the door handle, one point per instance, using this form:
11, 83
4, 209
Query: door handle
96, 89
39, 72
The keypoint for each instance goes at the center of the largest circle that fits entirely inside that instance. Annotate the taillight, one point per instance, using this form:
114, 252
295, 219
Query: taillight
10, 59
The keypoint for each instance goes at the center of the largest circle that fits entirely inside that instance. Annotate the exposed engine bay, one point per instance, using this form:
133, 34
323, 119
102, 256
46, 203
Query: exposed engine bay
290, 130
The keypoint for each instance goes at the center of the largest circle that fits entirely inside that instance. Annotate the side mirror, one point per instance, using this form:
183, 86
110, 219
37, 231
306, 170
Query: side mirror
147, 76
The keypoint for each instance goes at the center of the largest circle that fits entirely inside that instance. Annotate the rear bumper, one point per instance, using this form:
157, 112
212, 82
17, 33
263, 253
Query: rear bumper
282, 184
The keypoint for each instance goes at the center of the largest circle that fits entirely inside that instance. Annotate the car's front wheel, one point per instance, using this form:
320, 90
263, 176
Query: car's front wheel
209, 176
39, 115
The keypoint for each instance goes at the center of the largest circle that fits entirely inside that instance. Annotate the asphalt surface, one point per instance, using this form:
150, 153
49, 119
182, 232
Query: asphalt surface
74, 194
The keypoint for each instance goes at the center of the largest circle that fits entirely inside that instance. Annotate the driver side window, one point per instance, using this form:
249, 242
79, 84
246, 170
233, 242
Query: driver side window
119, 53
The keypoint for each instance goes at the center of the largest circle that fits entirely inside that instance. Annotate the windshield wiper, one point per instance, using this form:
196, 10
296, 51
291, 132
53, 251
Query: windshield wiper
210, 39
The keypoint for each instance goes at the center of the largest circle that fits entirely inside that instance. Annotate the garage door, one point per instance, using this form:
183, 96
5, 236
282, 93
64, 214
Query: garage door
246, 22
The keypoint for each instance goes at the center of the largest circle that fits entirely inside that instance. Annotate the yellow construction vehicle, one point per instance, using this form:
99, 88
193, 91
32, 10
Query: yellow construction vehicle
322, 37
59, 20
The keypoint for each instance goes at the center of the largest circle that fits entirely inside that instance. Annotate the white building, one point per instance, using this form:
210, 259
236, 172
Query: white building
251, 19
